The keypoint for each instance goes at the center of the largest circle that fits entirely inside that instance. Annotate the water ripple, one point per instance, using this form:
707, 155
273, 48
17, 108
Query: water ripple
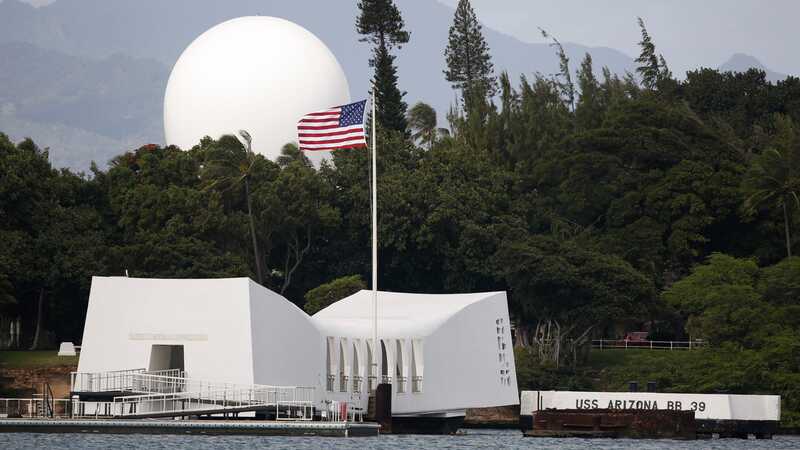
488, 439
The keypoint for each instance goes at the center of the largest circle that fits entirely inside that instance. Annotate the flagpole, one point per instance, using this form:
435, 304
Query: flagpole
377, 352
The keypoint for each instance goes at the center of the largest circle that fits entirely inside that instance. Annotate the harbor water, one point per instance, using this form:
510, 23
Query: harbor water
494, 439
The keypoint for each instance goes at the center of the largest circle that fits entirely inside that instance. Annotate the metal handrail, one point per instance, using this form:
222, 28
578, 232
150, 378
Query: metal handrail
29, 408
114, 380
219, 400
171, 391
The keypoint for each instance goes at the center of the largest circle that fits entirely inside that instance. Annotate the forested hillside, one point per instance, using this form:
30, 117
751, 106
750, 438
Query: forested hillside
602, 205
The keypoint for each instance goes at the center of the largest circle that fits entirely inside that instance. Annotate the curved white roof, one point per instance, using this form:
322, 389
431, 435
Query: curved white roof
400, 315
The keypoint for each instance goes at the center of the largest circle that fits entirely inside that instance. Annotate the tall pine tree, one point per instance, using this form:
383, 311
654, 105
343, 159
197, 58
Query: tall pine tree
564, 78
589, 110
469, 64
382, 25
653, 68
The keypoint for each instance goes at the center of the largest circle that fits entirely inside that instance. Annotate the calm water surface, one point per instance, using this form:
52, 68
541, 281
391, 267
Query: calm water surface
500, 439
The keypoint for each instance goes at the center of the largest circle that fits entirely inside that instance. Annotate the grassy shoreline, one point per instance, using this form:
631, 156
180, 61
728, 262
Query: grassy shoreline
16, 359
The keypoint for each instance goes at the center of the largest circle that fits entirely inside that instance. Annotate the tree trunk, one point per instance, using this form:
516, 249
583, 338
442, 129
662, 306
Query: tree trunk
298, 258
522, 335
38, 320
786, 229
256, 254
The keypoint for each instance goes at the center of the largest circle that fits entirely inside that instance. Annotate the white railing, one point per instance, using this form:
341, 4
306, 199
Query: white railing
118, 380
604, 344
160, 383
170, 392
188, 395
113, 381
293, 402
337, 411
34, 407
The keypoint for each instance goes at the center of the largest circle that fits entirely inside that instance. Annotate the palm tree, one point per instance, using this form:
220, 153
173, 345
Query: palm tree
773, 178
291, 152
422, 121
229, 165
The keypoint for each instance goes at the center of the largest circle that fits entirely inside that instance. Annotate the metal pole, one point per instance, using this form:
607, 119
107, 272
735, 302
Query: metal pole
374, 236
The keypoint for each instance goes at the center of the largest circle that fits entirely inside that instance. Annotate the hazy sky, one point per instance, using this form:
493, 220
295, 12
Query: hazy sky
690, 33
39, 2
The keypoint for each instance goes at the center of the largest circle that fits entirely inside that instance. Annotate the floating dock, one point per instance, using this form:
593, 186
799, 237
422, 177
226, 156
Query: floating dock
210, 427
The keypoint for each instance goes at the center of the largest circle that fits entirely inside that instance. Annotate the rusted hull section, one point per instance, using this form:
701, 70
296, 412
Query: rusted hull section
609, 423
760, 429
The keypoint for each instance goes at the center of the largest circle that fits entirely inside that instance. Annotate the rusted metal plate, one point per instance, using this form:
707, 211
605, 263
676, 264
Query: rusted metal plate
614, 423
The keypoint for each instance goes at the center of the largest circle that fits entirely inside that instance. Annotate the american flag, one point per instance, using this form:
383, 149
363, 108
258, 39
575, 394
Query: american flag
333, 128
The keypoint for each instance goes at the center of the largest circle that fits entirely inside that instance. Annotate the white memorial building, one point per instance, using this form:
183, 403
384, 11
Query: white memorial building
441, 354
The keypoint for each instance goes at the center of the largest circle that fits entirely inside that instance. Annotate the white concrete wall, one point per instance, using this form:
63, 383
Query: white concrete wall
705, 406
287, 348
461, 363
210, 318
233, 330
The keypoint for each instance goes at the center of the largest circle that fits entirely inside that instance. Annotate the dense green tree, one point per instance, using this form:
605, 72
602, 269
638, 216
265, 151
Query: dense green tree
722, 297
291, 153
326, 294
774, 178
390, 109
302, 214
52, 238
589, 109
469, 64
166, 223
780, 283
422, 121
568, 292
539, 121
381, 24
229, 165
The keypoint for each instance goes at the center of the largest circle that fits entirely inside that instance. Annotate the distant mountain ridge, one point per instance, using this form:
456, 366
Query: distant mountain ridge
160, 30
74, 45
83, 109
740, 62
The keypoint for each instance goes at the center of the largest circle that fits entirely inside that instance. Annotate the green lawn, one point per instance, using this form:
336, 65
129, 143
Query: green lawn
39, 358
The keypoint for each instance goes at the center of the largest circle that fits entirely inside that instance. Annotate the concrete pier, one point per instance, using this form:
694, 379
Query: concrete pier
210, 427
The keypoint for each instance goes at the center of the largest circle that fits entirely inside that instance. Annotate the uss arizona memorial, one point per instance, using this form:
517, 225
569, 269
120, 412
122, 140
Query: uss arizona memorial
441, 354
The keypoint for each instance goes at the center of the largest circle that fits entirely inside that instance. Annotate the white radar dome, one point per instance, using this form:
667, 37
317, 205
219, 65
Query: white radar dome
258, 74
